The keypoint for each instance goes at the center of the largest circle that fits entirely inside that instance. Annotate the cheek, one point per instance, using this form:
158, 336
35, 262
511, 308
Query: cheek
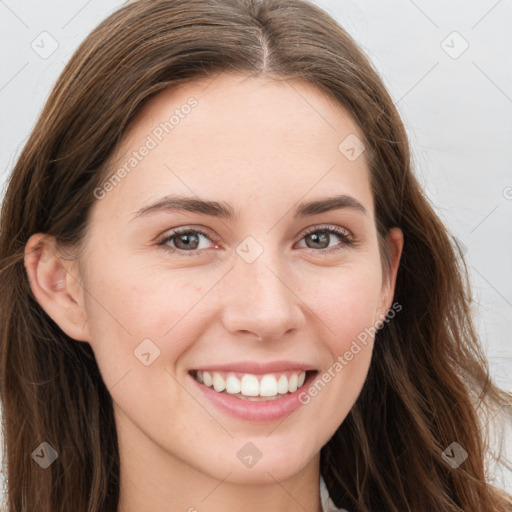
148, 311
142, 300
345, 300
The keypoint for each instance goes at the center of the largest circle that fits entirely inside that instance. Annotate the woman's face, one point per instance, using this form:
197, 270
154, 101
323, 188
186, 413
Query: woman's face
269, 289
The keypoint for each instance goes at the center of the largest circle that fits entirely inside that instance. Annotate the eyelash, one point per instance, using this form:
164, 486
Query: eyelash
347, 241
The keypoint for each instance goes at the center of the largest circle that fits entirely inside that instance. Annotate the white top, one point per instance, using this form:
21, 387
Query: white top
327, 504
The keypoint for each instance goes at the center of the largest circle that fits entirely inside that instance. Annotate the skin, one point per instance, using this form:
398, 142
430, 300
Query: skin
262, 146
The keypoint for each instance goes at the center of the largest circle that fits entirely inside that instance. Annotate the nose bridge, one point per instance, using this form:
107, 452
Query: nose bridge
259, 297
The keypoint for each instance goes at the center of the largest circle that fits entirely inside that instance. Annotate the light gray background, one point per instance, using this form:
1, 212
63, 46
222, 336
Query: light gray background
456, 106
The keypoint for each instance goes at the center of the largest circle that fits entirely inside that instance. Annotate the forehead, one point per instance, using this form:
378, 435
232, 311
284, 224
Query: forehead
235, 138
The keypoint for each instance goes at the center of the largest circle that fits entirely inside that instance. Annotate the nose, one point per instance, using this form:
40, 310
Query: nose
260, 299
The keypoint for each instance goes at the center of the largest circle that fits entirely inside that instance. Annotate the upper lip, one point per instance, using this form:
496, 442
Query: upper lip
257, 368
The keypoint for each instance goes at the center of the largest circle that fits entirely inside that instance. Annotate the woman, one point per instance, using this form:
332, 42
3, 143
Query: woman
223, 286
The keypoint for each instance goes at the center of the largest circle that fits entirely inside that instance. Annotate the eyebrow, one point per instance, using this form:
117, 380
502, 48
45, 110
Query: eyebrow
224, 210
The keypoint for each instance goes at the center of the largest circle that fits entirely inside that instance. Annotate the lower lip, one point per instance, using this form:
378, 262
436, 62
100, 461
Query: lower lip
258, 412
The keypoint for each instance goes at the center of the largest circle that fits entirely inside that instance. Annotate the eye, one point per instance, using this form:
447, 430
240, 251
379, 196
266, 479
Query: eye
320, 235
188, 241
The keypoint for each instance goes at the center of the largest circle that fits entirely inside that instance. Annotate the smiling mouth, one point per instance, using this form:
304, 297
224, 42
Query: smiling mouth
252, 387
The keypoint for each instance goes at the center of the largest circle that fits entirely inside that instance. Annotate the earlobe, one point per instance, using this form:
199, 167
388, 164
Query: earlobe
56, 286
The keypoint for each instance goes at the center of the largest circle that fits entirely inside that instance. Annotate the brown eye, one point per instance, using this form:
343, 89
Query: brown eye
319, 238
185, 240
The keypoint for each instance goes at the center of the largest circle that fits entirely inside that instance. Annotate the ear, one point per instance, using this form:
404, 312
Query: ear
56, 285
395, 243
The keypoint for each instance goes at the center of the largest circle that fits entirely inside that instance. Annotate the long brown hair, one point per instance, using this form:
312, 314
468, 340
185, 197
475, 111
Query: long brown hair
428, 377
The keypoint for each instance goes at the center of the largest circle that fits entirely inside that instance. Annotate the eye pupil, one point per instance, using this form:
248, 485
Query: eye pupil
319, 238
188, 244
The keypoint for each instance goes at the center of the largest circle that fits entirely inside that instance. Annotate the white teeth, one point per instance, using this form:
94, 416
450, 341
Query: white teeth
250, 385
269, 385
207, 379
232, 385
218, 382
292, 383
282, 385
